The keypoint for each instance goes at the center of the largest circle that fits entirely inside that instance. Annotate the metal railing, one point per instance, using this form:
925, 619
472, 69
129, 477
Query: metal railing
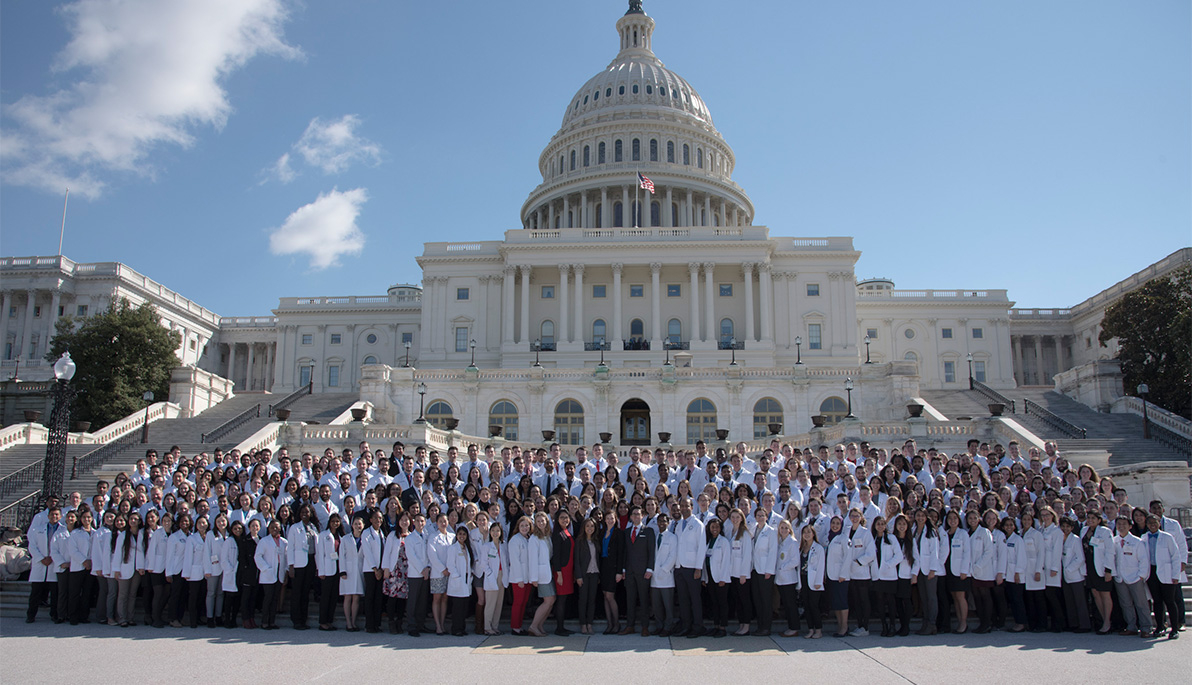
994, 395
597, 346
231, 424
98, 456
292, 398
730, 345
1062, 425
1175, 441
20, 513
21, 478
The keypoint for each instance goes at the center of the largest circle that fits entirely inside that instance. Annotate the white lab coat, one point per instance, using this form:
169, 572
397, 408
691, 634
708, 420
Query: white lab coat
351, 574
436, 553
1075, 568
1053, 555
213, 554
459, 565
664, 561
229, 563
693, 545
1172, 527
326, 557
1033, 560
741, 555
839, 558
192, 567
271, 559
982, 554
371, 551
60, 550
863, 553
39, 548
1167, 559
155, 554
176, 553
540, 549
101, 552
519, 559
1013, 559
817, 558
927, 554
956, 552
416, 554
892, 556
297, 546
1132, 560
786, 570
1103, 555
125, 567
495, 558
765, 549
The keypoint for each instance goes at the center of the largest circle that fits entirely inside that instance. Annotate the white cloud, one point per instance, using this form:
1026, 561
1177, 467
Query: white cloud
323, 229
332, 146
149, 73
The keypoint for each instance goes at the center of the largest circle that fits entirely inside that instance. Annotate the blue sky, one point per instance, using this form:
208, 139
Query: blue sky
243, 150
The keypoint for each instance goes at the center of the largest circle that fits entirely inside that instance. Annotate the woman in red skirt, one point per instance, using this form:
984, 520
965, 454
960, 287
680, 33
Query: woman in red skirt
562, 563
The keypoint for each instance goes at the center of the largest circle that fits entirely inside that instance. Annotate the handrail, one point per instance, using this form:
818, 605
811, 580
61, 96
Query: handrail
102, 454
1175, 441
21, 477
994, 395
232, 424
1052, 420
292, 397
20, 513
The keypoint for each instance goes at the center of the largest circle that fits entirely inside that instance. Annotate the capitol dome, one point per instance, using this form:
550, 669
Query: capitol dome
636, 116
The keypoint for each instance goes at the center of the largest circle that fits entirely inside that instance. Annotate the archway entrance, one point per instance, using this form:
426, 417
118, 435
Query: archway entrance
635, 423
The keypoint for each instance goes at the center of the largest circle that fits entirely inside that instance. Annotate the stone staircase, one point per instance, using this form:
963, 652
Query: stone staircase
1111, 439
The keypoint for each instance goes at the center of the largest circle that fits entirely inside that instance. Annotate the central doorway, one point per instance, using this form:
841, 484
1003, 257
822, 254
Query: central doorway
635, 423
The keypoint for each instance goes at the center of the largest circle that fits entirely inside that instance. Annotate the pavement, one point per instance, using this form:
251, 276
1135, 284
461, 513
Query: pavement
46, 653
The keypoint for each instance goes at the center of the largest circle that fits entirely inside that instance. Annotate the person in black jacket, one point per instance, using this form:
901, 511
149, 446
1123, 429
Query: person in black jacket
562, 565
587, 570
639, 567
247, 576
612, 565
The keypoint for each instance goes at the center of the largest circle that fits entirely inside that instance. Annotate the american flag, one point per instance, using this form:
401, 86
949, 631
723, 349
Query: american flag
645, 182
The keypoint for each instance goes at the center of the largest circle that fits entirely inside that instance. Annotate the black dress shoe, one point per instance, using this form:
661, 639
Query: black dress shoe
696, 632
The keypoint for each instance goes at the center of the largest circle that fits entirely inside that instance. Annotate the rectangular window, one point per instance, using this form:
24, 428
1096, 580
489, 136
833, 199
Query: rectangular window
949, 372
407, 338
814, 339
461, 339
946, 333
637, 291
12, 312
37, 311
81, 310
333, 376
726, 289
61, 310
871, 333
979, 371
304, 375
336, 338
461, 293
308, 339
813, 290
978, 333
192, 345
598, 291
548, 292
674, 290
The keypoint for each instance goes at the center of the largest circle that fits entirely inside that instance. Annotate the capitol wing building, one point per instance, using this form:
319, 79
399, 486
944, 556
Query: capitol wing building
613, 309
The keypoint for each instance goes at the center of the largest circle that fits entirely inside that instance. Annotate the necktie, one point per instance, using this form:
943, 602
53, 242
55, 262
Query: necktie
633, 537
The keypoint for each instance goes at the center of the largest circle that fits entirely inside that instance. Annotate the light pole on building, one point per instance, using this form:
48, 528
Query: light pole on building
148, 397
848, 387
1143, 391
421, 403
54, 469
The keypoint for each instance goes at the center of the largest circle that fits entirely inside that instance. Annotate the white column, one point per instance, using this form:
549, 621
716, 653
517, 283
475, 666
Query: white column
793, 321
55, 301
351, 370
736, 216
666, 211
563, 332
566, 222
320, 371
27, 331
711, 330
1059, 354
626, 209
767, 302
707, 217
508, 283
579, 302
605, 221
525, 303
480, 335
232, 364
617, 303
7, 304
1039, 360
283, 347
693, 327
252, 350
1019, 372
270, 361
655, 303
551, 219
689, 210
747, 272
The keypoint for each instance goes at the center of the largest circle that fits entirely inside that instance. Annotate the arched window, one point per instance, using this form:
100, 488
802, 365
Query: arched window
699, 158
911, 357
686, 155
573, 160
637, 330
618, 151
561, 165
600, 153
548, 335
370, 359
569, 423
620, 90
834, 408
618, 212
653, 150
598, 331
674, 331
504, 414
701, 421
637, 150
587, 155
766, 411
437, 414
726, 331
670, 151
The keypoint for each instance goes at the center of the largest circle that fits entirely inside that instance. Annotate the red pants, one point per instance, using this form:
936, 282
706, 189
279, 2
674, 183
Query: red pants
521, 597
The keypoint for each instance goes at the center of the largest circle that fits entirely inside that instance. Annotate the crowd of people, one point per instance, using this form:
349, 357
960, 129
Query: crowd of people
665, 542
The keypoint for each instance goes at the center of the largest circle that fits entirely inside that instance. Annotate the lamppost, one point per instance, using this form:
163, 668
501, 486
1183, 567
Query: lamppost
848, 387
970, 364
798, 349
421, 403
602, 354
148, 397
406, 365
666, 345
732, 345
472, 345
1143, 391
867, 350
537, 347
55, 463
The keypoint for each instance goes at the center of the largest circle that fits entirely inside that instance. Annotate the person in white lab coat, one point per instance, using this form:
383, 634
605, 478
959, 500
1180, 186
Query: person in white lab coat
372, 553
1166, 566
741, 568
79, 555
127, 566
176, 566
193, 568
1053, 578
813, 570
542, 576
926, 570
213, 569
718, 575
229, 564
417, 574
765, 566
43, 578
351, 575
662, 583
1034, 580
1097, 542
860, 577
983, 563
519, 572
155, 563
459, 580
883, 570
954, 553
270, 559
1014, 572
1131, 568
495, 558
300, 552
786, 575
1075, 571
327, 550
102, 540
836, 571
436, 553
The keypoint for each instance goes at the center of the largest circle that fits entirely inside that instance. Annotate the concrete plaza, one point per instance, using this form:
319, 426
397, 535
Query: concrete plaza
46, 653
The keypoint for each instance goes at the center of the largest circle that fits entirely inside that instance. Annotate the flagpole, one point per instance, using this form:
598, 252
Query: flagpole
62, 233
636, 191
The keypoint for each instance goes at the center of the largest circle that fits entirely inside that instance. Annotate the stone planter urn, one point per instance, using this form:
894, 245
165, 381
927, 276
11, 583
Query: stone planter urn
775, 428
32, 416
495, 430
606, 438
451, 424
284, 414
818, 420
547, 436
664, 437
358, 414
82, 426
722, 434
916, 410
996, 408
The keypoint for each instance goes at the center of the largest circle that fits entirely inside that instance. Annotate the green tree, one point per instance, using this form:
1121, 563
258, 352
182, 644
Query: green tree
120, 353
1153, 326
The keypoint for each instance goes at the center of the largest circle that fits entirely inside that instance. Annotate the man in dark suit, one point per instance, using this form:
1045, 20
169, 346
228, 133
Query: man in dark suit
639, 567
414, 492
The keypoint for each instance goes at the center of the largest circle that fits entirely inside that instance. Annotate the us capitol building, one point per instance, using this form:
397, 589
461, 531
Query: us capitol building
610, 309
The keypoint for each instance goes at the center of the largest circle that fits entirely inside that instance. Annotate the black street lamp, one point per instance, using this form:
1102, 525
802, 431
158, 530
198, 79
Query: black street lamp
867, 350
537, 347
666, 345
406, 365
472, 345
602, 354
970, 364
848, 387
798, 349
1143, 391
732, 345
421, 403
54, 469
148, 397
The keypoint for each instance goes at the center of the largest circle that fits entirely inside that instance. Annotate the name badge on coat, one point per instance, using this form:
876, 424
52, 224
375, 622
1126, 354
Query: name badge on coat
214, 559
333, 556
